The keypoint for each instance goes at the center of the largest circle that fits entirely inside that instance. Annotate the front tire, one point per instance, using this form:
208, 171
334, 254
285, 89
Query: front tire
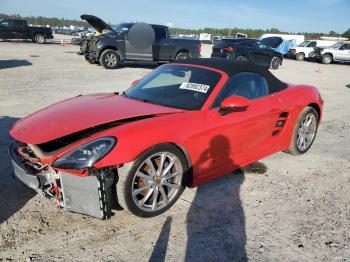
327, 59
275, 63
154, 182
39, 39
109, 59
304, 131
300, 57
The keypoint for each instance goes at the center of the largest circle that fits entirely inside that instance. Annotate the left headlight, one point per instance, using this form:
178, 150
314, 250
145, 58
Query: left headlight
86, 155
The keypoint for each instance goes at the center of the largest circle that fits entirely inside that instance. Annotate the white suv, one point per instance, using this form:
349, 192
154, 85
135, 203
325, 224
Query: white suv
339, 52
306, 48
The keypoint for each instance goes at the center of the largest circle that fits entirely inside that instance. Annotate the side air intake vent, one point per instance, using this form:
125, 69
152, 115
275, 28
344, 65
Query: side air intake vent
282, 119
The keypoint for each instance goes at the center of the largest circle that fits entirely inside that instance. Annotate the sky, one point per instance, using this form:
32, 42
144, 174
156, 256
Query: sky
291, 16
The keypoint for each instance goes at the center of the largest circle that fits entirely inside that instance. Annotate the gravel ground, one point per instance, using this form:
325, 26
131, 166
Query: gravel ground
283, 208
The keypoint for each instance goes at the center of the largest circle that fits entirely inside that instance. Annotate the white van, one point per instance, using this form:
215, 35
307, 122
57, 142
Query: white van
306, 48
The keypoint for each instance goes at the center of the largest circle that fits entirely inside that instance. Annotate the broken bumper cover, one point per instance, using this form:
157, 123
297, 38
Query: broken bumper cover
22, 174
90, 195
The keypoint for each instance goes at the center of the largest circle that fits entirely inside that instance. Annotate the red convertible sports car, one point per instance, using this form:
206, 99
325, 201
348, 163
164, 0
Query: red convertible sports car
180, 126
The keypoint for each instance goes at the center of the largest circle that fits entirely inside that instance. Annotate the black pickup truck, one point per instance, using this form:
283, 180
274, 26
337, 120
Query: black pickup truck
19, 29
127, 42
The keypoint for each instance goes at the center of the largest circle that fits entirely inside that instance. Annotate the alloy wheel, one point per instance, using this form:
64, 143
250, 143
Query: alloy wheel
157, 181
306, 132
275, 63
40, 39
111, 60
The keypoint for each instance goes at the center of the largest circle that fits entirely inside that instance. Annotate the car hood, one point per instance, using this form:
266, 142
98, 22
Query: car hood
81, 113
96, 23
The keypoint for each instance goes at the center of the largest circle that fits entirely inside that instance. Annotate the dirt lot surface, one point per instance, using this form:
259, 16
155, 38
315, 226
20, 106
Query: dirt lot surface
283, 208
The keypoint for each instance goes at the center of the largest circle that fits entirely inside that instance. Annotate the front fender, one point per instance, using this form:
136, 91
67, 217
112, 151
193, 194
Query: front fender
136, 137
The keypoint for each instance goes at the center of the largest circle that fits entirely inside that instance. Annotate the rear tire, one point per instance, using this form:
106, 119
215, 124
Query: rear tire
300, 56
182, 56
147, 191
327, 59
275, 63
109, 59
39, 39
304, 134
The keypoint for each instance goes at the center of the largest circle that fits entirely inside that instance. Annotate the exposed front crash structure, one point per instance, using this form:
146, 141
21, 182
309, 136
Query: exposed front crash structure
92, 194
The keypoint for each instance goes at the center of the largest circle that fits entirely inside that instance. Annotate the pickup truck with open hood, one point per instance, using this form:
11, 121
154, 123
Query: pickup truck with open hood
134, 42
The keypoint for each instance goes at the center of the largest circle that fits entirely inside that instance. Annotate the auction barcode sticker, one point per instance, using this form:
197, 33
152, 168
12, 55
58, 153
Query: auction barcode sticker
195, 87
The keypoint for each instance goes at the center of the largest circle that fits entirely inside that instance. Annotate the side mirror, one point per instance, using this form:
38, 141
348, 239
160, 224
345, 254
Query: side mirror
233, 104
135, 82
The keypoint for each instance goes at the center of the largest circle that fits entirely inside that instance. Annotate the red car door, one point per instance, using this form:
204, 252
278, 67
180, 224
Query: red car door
247, 132
237, 138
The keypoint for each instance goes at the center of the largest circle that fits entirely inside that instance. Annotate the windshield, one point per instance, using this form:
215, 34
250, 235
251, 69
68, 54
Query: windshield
261, 45
336, 45
178, 86
303, 43
122, 28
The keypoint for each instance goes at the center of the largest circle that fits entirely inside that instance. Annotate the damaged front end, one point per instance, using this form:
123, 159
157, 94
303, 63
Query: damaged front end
88, 48
91, 192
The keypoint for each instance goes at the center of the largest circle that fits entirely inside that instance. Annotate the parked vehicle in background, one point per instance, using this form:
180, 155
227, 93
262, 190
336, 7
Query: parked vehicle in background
241, 35
19, 29
118, 44
334, 38
306, 48
339, 52
205, 38
281, 42
247, 49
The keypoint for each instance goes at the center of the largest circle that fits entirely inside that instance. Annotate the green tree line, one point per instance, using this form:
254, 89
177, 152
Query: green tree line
60, 22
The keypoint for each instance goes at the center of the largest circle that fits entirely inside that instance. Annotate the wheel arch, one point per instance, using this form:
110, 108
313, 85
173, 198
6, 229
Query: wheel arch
183, 50
328, 53
317, 108
112, 48
189, 172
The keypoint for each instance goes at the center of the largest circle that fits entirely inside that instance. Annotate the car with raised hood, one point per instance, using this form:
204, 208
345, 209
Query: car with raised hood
19, 29
252, 50
130, 42
339, 52
181, 125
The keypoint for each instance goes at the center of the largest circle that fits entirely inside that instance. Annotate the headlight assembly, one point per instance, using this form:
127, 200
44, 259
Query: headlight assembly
85, 155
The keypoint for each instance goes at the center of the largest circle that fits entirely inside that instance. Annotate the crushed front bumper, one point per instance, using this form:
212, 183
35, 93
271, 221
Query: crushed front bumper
34, 181
291, 53
91, 195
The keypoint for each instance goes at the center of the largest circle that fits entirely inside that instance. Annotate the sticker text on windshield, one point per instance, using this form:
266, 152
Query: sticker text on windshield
195, 87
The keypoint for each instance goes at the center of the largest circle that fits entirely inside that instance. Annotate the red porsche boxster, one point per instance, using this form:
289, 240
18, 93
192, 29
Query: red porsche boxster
180, 126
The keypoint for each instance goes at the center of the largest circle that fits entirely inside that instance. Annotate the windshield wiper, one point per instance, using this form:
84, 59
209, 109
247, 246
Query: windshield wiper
144, 100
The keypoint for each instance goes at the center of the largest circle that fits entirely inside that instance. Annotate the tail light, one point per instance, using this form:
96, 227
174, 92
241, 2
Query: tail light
229, 49
199, 48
